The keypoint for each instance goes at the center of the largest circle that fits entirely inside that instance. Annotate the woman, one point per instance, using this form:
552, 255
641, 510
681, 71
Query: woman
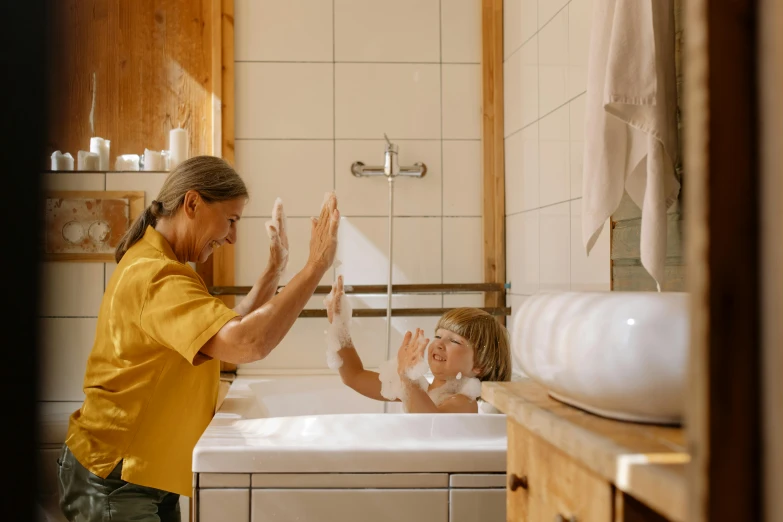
152, 376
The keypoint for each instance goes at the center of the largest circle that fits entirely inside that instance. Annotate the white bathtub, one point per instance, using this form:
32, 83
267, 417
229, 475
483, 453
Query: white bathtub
285, 449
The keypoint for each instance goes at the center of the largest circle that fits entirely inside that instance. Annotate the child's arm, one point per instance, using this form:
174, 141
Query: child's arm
354, 375
351, 370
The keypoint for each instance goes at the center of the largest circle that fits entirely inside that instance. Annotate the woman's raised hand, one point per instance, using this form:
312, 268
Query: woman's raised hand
276, 229
323, 238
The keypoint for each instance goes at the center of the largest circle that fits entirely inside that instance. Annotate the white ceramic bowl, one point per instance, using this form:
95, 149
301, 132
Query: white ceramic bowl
618, 354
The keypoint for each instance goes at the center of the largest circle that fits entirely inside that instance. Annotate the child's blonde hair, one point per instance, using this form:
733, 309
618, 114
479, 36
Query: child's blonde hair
488, 338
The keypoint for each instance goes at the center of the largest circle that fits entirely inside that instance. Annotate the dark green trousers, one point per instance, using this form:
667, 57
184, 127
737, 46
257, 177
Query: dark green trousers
85, 497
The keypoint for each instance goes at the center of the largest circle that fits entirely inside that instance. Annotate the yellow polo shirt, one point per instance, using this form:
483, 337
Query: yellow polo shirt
146, 403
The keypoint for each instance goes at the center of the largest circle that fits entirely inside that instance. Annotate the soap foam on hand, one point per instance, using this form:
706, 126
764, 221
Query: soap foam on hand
391, 383
339, 332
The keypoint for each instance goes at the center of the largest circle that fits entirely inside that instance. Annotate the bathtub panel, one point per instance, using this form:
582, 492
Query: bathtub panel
349, 505
223, 480
350, 480
477, 505
219, 505
494, 480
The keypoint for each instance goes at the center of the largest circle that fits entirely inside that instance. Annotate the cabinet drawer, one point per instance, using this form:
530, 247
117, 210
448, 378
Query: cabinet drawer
548, 483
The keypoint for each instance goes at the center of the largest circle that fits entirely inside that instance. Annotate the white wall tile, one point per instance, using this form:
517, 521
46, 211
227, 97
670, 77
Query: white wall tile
402, 100
555, 242
370, 196
65, 347
284, 100
298, 171
218, 505
149, 182
381, 31
363, 250
522, 165
71, 289
515, 302
553, 56
252, 250
593, 272
522, 252
580, 17
294, 30
461, 26
463, 184
462, 102
577, 139
75, 181
520, 22
458, 300
554, 155
463, 260
521, 87
547, 9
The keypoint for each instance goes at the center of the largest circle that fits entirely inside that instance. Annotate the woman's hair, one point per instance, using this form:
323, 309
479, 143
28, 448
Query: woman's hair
213, 178
488, 338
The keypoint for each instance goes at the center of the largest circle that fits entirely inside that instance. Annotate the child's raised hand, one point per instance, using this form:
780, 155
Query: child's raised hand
412, 351
332, 301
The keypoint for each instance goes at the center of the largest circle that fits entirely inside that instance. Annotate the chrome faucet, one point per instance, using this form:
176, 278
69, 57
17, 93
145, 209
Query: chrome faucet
391, 166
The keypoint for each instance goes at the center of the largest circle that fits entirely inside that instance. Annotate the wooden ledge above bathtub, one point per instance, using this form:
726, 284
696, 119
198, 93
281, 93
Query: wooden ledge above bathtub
646, 462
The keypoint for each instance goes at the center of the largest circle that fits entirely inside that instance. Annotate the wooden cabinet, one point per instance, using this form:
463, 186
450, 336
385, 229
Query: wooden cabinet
546, 485
567, 465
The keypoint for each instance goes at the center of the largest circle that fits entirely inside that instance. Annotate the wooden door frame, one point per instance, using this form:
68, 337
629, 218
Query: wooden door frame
771, 85
492, 150
723, 413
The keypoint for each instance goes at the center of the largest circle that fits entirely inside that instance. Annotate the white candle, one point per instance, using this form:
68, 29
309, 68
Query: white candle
101, 146
127, 162
178, 146
153, 160
62, 161
166, 156
88, 160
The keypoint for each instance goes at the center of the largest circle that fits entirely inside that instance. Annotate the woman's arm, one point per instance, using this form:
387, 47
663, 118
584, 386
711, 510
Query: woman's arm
267, 284
253, 336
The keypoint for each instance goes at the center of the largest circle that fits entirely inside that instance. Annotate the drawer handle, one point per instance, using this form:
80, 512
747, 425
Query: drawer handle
515, 482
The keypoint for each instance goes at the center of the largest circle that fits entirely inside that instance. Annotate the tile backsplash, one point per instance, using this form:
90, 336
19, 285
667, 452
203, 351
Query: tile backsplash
315, 98
546, 44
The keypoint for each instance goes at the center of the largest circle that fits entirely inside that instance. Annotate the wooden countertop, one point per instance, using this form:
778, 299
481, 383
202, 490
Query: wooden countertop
645, 461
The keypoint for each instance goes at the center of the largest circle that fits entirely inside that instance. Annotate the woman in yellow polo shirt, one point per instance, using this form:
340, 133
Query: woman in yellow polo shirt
152, 376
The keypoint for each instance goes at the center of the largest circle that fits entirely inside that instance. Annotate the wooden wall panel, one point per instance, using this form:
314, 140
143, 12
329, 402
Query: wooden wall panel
152, 62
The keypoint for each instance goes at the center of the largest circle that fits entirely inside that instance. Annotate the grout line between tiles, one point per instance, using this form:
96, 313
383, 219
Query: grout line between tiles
443, 173
334, 112
543, 206
283, 62
325, 139
545, 115
351, 216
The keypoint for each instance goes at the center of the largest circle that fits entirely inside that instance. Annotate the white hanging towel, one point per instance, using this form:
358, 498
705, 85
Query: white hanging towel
631, 121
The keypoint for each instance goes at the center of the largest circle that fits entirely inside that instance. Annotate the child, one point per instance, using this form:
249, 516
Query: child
469, 346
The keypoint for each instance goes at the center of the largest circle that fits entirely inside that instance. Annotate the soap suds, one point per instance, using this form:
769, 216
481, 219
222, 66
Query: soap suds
339, 332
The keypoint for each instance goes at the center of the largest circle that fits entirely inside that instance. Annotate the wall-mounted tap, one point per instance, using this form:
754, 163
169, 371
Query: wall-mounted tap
391, 166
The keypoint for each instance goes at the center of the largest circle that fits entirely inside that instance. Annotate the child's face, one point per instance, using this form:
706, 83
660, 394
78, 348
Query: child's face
450, 354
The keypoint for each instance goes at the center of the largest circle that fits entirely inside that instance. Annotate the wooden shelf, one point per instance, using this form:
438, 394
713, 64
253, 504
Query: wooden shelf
403, 312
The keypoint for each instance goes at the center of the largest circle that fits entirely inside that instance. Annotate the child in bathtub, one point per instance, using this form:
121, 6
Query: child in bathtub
469, 346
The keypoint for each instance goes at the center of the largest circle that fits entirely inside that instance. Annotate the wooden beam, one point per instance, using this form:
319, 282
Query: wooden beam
494, 208
380, 289
722, 231
771, 78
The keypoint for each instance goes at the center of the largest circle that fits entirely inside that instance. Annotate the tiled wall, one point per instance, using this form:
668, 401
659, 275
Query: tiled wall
71, 297
318, 83
545, 52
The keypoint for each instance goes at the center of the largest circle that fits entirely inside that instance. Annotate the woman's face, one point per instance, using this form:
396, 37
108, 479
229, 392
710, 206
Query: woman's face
215, 225
450, 354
